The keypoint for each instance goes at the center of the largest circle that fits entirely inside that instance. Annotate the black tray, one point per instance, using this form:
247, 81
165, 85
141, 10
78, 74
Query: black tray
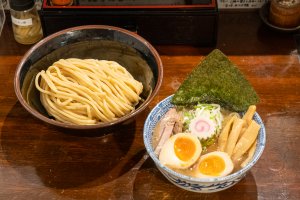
189, 22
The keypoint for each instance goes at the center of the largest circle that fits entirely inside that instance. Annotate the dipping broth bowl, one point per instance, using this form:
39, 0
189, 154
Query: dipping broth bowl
130, 50
200, 185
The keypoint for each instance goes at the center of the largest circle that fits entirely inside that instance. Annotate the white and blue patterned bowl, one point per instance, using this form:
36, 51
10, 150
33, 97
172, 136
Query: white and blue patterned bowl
201, 185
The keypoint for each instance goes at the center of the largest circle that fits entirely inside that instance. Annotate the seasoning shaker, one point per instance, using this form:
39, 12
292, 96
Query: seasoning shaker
26, 22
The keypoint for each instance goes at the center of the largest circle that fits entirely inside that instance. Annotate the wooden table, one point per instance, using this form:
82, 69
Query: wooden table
38, 161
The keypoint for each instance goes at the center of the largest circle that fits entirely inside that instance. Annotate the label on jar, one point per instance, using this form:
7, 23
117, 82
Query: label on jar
21, 22
240, 4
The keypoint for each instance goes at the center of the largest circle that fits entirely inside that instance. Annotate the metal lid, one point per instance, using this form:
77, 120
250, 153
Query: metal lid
20, 5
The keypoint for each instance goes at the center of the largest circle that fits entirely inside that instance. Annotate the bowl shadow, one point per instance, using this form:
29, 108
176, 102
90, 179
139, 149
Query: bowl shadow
64, 158
157, 186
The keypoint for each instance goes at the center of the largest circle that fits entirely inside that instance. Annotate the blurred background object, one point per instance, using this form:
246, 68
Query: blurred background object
281, 18
2, 16
285, 13
61, 2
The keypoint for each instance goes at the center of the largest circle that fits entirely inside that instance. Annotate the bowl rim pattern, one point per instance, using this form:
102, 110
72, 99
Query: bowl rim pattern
147, 137
100, 125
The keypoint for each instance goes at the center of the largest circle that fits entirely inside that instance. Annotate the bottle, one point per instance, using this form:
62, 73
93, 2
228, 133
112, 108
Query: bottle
26, 22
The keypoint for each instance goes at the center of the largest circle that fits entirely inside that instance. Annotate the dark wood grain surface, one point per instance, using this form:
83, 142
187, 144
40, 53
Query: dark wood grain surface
38, 161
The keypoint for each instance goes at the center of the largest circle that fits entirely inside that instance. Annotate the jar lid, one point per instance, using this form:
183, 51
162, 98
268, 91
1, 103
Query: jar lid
20, 5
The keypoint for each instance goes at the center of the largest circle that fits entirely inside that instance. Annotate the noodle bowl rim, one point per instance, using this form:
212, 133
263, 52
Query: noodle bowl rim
165, 105
126, 117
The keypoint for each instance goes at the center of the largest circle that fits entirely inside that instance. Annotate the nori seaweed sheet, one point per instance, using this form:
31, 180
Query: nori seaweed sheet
216, 80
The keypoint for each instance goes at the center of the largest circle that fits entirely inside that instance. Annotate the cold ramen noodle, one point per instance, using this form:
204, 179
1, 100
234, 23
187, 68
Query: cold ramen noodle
87, 91
205, 140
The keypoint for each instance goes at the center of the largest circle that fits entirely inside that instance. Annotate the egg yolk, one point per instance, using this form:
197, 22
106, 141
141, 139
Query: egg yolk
212, 166
184, 148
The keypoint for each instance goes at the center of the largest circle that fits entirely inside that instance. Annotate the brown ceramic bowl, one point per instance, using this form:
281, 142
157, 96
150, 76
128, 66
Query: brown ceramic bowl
93, 41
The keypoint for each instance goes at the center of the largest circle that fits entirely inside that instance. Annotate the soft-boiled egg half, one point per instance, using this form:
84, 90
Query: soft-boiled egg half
214, 164
180, 151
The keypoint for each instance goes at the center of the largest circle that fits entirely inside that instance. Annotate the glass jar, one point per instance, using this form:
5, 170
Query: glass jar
26, 22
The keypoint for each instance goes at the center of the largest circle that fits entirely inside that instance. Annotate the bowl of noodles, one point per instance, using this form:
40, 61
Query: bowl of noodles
208, 164
88, 77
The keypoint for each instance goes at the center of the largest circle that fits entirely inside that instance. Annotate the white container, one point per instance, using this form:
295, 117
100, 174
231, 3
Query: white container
2, 17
